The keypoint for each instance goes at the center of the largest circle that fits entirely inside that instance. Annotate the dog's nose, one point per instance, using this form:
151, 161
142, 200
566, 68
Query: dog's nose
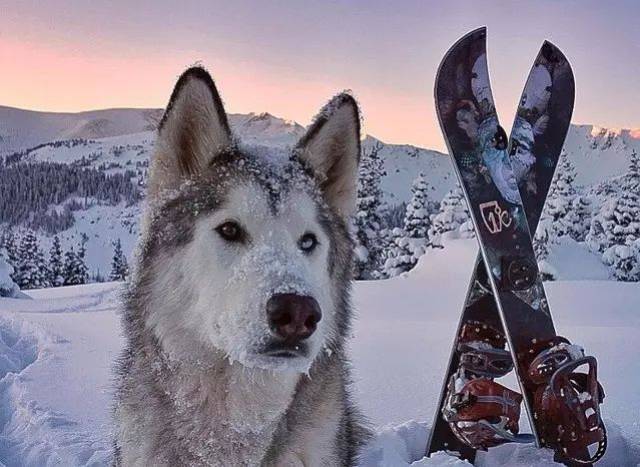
293, 317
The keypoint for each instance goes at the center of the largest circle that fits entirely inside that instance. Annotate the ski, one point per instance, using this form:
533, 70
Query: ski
542, 121
505, 184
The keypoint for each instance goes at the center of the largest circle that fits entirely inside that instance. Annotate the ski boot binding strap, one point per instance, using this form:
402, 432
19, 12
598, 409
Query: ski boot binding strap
568, 402
481, 412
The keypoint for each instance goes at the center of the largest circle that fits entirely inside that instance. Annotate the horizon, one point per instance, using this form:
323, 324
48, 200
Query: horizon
279, 58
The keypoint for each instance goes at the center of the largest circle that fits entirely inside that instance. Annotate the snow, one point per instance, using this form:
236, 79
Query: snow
57, 352
126, 137
571, 260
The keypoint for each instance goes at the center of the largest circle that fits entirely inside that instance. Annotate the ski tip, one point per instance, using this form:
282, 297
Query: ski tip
478, 34
550, 53
454, 75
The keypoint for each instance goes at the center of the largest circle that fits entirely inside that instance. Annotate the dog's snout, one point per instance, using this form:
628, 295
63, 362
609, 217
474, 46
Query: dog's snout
293, 317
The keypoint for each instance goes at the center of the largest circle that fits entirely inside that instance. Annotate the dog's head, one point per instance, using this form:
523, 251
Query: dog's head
248, 255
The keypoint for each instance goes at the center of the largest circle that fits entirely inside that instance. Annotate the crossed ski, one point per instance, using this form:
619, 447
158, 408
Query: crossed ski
505, 183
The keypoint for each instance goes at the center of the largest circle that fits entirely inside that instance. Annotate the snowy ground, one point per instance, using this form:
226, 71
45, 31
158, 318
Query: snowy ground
56, 353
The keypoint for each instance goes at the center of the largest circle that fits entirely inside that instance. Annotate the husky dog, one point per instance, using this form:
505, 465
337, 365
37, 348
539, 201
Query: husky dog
237, 317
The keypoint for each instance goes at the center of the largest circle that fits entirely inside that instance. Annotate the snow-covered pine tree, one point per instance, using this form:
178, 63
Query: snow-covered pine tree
56, 263
617, 223
70, 261
8, 243
399, 257
368, 222
75, 268
416, 220
8, 288
411, 242
559, 205
31, 269
543, 237
119, 266
624, 261
581, 216
452, 215
633, 176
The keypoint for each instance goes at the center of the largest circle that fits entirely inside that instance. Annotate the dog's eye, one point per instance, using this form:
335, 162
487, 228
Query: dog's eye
308, 242
231, 231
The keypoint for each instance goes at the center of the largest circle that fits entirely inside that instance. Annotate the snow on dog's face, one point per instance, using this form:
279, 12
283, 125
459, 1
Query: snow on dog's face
246, 255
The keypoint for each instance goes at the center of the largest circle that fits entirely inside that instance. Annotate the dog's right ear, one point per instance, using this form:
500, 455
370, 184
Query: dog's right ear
193, 131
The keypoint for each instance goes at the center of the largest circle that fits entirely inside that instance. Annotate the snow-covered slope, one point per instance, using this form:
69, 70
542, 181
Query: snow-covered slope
116, 140
600, 153
20, 129
57, 349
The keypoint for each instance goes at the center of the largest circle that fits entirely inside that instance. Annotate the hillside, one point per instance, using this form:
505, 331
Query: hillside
121, 141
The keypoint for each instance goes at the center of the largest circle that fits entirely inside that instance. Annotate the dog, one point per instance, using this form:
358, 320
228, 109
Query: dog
237, 316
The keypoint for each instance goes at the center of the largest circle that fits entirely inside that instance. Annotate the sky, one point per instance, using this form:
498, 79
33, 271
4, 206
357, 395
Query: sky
289, 57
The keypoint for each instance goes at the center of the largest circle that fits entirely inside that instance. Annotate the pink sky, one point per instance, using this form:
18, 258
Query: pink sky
288, 58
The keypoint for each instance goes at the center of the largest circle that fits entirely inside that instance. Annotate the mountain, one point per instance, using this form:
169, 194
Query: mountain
121, 141
600, 153
20, 129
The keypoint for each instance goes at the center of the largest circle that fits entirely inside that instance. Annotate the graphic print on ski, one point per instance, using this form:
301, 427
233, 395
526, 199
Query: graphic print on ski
467, 115
540, 127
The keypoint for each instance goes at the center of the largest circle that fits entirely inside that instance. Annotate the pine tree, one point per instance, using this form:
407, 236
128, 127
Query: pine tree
559, 205
452, 215
632, 182
581, 215
368, 222
624, 261
56, 264
70, 261
31, 271
617, 223
410, 242
543, 238
75, 268
8, 288
8, 243
119, 266
416, 221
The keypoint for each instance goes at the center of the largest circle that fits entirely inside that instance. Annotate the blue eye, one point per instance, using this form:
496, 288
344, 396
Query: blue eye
308, 242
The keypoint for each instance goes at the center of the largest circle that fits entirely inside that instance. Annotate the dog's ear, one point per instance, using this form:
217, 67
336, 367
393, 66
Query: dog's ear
331, 148
193, 130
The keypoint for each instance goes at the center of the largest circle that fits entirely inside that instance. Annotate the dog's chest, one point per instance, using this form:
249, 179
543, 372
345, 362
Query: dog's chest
229, 418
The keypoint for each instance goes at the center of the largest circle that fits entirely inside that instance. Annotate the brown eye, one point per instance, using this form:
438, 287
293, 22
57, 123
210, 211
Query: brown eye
231, 231
308, 242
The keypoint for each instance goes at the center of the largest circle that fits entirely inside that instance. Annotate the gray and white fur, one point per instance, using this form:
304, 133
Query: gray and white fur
208, 375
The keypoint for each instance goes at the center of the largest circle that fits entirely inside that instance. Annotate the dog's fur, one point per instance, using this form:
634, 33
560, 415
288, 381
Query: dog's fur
195, 384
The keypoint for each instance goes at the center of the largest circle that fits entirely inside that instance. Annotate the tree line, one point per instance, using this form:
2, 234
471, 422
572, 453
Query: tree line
606, 220
43, 195
32, 268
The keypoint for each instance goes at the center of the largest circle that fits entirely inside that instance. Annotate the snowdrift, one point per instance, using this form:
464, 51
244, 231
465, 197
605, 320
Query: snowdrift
57, 351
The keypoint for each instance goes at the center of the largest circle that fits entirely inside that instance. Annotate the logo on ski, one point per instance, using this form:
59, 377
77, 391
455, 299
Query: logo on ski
494, 217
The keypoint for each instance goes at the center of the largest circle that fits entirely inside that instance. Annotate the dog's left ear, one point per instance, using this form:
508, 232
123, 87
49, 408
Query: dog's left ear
192, 132
331, 147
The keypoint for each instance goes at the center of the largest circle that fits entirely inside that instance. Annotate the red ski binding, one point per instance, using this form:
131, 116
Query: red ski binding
568, 402
481, 412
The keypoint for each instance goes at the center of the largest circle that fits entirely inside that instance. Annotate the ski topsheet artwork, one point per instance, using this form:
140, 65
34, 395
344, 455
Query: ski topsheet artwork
541, 123
505, 183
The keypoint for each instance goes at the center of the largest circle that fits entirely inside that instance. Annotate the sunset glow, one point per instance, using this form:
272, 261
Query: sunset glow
288, 60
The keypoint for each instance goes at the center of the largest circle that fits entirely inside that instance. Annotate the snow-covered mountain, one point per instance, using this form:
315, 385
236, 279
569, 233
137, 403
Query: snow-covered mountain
20, 129
600, 153
117, 140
